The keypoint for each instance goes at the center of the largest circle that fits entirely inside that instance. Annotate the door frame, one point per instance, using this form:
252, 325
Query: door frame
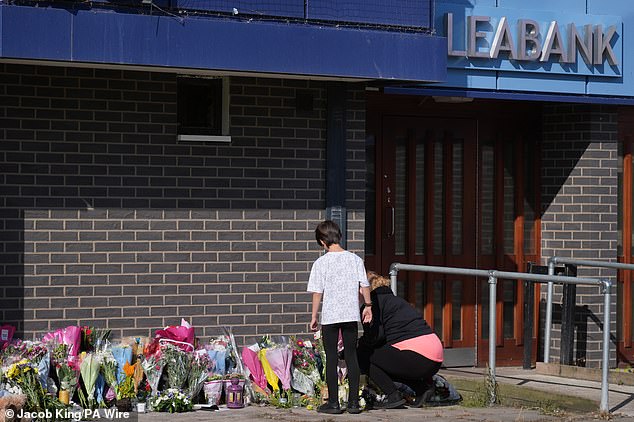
489, 115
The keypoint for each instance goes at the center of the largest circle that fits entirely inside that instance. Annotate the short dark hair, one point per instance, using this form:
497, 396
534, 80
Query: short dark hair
328, 232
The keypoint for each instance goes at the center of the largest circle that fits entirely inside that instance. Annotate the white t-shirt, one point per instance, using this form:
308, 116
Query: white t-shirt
338, 276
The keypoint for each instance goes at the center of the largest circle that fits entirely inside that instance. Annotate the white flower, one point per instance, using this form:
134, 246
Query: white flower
16, 390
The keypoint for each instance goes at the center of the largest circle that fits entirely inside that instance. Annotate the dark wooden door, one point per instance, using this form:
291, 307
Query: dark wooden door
428, 216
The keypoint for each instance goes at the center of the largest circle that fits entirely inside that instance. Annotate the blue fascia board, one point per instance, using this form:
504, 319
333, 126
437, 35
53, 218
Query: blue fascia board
512, 96
220, 44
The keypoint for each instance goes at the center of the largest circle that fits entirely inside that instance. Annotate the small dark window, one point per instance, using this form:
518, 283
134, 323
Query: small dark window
199, 106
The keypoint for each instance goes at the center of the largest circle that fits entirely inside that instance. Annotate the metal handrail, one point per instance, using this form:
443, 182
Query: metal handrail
492, 276
606, 306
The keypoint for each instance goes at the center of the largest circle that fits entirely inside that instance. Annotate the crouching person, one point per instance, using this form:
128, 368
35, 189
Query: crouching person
398, 346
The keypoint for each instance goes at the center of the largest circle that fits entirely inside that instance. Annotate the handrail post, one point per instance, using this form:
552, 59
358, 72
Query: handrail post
492, 338
549, 311
604, 406
393, 274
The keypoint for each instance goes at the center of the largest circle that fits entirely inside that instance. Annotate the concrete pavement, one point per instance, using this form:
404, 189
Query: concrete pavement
621, 402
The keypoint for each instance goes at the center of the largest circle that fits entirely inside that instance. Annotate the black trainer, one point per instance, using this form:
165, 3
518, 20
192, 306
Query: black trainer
330, 408
394, 400
353, 407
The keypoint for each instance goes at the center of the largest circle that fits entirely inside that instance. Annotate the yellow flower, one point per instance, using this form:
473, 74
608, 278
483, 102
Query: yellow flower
13, 371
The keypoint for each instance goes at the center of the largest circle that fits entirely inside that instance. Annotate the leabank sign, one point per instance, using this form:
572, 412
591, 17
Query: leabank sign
534, 41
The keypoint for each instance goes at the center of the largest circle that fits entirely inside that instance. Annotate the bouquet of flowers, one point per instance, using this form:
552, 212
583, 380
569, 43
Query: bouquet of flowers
280, 358
109, 370
68, 376
23, 376
153, 369
198, 372
305, 358
171, 400
143, 392
178, 363
67, 371
89, 370
70, 336
34, 352
125, 389
304, 370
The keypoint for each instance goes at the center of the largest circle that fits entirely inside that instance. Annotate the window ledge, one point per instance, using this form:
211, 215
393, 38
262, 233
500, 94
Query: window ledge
203, 138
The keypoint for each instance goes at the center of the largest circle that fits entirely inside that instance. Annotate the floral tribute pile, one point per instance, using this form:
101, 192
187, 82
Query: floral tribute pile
83, 368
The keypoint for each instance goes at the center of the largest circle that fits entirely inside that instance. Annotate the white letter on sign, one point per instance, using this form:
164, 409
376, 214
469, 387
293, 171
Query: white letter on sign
503, 41
553, 44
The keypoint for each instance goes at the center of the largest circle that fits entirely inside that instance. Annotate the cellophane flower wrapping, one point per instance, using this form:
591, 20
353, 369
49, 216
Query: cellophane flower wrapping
254, 366
280, 358
183, 335
271, 378
121, 354
43, 369
89, 369
301, 382
70, 336
217, 350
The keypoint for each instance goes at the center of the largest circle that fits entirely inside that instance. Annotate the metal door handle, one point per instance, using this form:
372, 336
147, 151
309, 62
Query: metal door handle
391, 234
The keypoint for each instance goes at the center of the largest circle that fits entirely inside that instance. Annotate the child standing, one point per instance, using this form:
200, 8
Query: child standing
336, 276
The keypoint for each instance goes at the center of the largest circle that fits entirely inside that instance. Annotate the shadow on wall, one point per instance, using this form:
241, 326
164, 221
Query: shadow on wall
12, 276
583, 318
562, 147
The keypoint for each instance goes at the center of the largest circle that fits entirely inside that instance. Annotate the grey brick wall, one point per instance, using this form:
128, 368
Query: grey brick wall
579, 220
107, 221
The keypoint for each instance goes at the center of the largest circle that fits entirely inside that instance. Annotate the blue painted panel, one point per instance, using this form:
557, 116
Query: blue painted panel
26, 32
280, 8
222, 44
477, 79
386, 12
569, 6
544, 19
624, 85
513, 81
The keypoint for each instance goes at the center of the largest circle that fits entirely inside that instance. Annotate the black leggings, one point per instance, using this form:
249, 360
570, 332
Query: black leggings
387, 364
330, 333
